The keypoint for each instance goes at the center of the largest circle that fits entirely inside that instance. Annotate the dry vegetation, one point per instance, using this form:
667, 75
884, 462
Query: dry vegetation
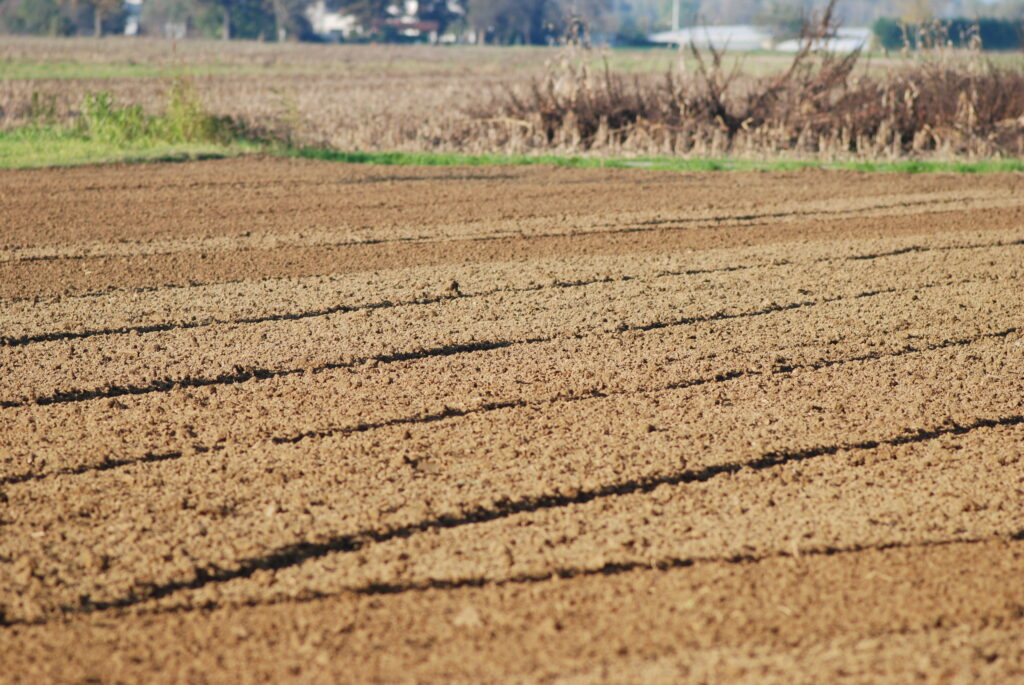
347, 97
939, 104
816, 107
820, 104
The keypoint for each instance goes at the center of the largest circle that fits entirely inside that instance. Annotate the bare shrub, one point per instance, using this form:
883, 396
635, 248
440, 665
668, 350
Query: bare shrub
818, 105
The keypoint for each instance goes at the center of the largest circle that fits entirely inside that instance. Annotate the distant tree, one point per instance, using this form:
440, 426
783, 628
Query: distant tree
536, 22
630, 32
158, 15
101, 10
63, 17
888, 32
250, 19
290, 20
992, 34
498, 21
37, 17
443, 12
783, 20
236, 18
366, 11
229, 9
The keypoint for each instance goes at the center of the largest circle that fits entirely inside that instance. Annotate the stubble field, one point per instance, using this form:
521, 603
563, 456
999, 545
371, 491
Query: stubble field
285, 419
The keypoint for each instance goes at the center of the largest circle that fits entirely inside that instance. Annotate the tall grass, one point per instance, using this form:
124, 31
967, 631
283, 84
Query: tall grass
183, 121
101, 129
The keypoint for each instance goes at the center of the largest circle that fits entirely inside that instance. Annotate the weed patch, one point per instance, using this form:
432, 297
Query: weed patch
103, 130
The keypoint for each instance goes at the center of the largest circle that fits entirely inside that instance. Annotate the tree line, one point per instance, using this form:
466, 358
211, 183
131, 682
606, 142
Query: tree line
535, 22
988, 33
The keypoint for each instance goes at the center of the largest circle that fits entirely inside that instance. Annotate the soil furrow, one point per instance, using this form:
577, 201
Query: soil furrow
451, 413
326, 241
20, 341
501, 422
761, 257
105, 465
469, 287
750, 513
562, 573
614, 568
36, 213
56, 278
49, 368
616, 363
516, 453
956, 605
300, 552
242, 375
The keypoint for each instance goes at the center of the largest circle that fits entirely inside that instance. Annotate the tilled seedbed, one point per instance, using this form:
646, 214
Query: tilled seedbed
296, 420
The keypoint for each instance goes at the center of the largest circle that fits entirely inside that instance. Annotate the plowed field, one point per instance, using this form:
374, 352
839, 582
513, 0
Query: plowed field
266, 419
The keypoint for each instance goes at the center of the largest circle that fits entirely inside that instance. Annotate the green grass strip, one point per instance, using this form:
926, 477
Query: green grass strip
41, 147
654, 163
20, 71
35, 149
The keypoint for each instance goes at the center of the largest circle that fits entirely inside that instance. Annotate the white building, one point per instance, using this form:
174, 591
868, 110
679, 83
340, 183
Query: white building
740, 37
132, 11
845, 40
331, 25
402, 18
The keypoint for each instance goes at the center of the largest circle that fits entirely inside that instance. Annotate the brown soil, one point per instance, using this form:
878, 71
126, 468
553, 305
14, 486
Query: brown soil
289, 420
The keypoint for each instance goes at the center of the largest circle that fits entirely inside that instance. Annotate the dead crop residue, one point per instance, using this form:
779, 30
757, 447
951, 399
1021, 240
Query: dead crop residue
294, 420
939, 104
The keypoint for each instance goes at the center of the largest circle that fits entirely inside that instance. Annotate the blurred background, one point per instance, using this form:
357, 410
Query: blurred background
762, 24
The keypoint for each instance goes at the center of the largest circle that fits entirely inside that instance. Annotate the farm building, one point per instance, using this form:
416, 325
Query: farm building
739, 37
845, 40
